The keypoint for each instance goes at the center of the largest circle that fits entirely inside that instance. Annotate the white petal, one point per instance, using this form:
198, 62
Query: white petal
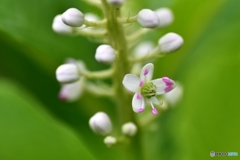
137, 103
154, 100
147, 72
161, 89
72, 91
131, 82
158, 81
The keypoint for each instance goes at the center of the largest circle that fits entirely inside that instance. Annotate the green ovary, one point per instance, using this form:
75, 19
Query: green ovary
148, 90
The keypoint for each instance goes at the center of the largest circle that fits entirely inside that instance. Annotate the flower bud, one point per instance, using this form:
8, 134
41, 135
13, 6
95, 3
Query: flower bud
116, 3
143, 49
67, 73
59, 27
72, 91
109, 141
170, 42
165, 16
105, 54
148, 18
100, 123
73, 17
129, 129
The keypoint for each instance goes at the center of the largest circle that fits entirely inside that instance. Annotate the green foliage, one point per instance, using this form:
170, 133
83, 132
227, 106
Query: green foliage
36, 125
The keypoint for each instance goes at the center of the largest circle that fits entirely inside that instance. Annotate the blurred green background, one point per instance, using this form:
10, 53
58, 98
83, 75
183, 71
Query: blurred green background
35, 124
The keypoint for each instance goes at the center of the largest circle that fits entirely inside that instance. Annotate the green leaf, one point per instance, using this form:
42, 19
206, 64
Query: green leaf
28, 132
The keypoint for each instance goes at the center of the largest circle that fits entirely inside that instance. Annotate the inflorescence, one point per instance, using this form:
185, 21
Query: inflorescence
73, 74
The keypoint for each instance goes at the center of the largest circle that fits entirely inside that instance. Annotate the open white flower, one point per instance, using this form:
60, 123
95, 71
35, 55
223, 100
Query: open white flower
146, 89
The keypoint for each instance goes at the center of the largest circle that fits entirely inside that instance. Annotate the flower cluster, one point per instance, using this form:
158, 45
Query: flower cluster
126, 60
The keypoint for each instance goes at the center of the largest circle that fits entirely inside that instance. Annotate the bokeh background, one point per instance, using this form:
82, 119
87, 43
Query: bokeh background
35, 124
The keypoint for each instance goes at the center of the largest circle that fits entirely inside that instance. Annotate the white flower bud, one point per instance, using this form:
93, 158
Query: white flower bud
73, 17
59, 27
100, 123
165, 16
105, 54
116, 3
170, 42
148, 18
109, 141
174, 95
129, 129
143, 49
67, 73
72, 91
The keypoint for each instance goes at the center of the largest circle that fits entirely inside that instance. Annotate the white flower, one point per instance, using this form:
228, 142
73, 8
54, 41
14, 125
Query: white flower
148, 18
73, 17
59, 27
105, 54
146, 89
67, 73
170, 42
100, 123
165, 16
129, 129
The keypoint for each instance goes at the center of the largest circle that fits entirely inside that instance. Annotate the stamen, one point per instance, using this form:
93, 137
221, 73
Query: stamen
139, 96
140, 110
146, 72
168, 88
168, 81
141, 83
154, 110
62, 97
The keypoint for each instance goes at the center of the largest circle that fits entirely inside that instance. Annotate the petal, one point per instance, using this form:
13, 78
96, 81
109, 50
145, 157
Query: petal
163, 85
138, 103
154, 100
158, 82
72, 91
161, 89
147, 72
131, 82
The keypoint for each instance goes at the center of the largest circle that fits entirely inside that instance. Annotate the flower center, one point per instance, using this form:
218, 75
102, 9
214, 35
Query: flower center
148, 90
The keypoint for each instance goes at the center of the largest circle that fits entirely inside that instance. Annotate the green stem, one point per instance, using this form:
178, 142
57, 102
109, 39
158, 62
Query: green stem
127, 20
101, 23
155, 53
104, 74
99, 90
121, 67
